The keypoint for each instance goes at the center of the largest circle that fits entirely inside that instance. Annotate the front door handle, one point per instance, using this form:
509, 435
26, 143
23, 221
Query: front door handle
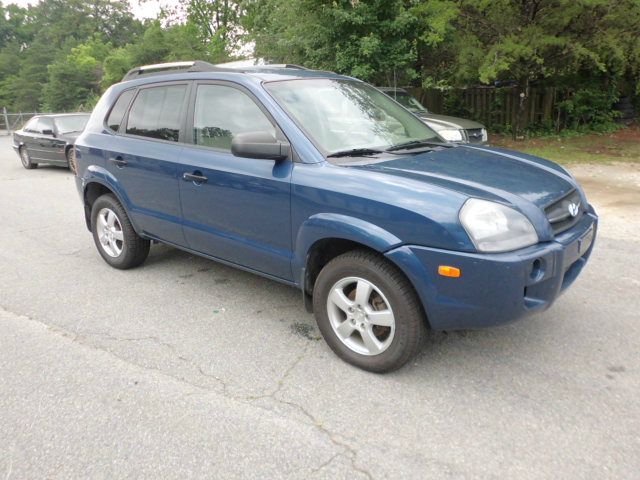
195, 177
119, 161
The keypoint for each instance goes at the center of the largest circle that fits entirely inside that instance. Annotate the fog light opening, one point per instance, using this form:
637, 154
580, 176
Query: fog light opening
537, 269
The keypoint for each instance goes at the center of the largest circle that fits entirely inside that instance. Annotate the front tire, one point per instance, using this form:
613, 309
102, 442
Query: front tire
368, 312
116, 240
26, 159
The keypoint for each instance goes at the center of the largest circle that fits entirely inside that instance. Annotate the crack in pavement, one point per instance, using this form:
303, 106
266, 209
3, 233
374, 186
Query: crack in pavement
350, 452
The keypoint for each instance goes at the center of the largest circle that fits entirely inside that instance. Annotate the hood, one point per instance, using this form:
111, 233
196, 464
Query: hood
484, 172
444, 121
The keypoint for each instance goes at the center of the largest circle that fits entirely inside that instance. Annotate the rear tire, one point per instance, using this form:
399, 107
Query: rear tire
70, 160
368, 312
116, 240
26, 159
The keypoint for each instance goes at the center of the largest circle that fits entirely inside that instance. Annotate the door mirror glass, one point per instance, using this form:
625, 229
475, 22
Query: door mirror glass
259, 145
47, 131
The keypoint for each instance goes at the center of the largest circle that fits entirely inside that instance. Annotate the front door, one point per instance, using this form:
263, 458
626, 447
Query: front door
41, 146
236, 209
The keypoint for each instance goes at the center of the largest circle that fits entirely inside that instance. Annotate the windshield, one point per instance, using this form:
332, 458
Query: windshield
407, 101
342, 115
71, 123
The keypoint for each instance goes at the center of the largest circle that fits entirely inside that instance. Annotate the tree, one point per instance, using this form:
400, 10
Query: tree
74, 79
374, 40
526, 41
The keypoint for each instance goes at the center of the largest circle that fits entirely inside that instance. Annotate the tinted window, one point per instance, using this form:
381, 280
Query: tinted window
44, 124
119, 109
222, 112
156, 112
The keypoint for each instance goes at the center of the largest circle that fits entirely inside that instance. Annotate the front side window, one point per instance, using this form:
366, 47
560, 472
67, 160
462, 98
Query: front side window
222, 112
45, 124
341, 115
71, 123
157, 112
119, 109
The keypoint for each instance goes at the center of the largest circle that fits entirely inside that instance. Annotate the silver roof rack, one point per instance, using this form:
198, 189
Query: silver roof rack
197, 66
160, 68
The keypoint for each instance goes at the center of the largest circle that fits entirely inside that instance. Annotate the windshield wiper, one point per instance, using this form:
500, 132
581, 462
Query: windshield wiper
416, 144
356, 152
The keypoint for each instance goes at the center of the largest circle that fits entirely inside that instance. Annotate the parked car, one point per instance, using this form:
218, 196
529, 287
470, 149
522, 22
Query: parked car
49, 139
324, 183
452, 129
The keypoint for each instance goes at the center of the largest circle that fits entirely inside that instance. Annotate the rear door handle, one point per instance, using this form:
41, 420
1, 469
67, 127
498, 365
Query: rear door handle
119, 161
195, 177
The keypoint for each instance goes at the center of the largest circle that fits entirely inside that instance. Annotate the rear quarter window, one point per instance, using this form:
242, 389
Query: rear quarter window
114, 119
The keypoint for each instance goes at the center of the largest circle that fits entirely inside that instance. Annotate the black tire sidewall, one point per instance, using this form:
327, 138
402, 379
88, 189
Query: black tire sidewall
402, 302
134, 248
29, 165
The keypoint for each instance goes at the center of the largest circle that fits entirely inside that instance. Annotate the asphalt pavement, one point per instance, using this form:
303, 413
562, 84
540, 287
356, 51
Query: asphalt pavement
184, 368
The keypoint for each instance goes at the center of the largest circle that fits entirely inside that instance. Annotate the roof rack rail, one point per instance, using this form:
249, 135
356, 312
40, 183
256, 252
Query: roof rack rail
160, 68
284, 65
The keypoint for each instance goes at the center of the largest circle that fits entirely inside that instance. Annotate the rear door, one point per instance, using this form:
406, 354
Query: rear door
26, 135
240, 210
143, 156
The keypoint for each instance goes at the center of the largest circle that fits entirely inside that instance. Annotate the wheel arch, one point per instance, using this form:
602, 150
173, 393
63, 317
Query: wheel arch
323, 237
94, 188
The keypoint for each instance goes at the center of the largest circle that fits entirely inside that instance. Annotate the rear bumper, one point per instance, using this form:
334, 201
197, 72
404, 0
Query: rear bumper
496, 288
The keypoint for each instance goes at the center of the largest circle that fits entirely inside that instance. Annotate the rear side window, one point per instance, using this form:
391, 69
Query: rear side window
157, 112
119, 109
222, 112
31, 125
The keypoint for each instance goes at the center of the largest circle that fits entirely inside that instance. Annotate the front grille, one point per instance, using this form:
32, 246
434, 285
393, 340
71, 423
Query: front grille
565, 212
474, 135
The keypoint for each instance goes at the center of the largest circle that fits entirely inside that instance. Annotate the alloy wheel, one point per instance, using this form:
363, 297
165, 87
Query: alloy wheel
109, 232
361, 316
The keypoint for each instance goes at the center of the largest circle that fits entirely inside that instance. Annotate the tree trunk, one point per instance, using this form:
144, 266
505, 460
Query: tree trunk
523, 95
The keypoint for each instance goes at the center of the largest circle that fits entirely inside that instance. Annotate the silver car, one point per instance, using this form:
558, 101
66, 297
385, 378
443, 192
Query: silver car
452, 129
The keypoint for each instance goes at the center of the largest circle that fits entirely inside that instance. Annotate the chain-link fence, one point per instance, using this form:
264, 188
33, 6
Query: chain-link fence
10, 122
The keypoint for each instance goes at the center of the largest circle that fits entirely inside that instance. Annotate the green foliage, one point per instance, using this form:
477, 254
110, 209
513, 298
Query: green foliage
74, 79
374, 40
588, 108
61, 54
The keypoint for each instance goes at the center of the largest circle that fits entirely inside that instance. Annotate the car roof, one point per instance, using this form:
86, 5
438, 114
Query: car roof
58, 115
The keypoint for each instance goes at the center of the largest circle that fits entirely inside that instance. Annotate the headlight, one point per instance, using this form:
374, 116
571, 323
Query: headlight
451, 135
485, 136
494, 227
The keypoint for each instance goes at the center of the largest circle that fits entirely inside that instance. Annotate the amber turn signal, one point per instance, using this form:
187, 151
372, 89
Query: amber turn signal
447, 271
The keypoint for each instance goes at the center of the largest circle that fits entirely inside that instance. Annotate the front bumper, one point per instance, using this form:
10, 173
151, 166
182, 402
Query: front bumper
496, 288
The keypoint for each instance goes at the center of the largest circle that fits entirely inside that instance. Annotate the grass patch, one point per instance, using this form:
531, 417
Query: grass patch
620, 146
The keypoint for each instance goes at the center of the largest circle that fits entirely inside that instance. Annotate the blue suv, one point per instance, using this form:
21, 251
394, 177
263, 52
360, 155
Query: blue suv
322, 182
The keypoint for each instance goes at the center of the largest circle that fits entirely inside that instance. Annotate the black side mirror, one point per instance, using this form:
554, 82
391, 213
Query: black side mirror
47, 131
259, 145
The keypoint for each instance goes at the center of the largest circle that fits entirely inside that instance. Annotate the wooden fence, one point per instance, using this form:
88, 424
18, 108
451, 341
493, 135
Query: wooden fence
495, 107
